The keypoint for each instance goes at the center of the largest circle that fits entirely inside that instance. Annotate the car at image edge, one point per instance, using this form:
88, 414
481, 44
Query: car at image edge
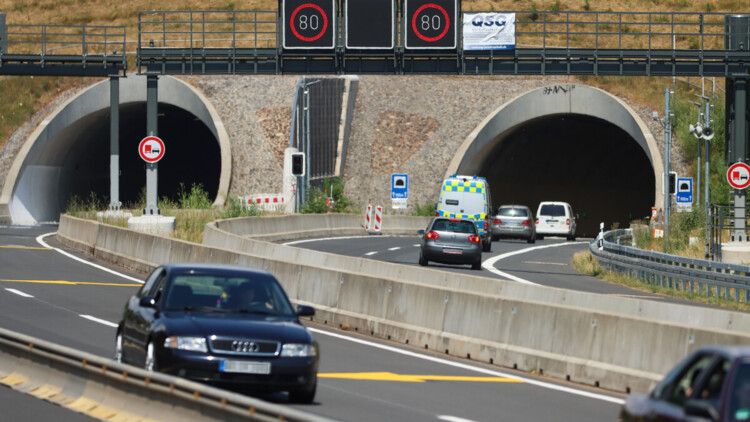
710, 384
229, 326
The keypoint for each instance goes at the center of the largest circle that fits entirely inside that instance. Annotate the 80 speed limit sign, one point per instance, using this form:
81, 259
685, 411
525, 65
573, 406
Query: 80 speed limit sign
308, 24
431, 24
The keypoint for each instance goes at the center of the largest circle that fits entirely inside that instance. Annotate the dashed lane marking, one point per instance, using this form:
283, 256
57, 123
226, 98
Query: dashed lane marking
562, 264
19, 293
370, 253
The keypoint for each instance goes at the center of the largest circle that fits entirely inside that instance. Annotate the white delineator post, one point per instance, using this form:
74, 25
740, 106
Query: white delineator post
378, 218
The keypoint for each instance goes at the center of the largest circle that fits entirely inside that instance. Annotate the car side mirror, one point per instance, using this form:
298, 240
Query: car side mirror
420, 232
304, 310
147, 302
702, 409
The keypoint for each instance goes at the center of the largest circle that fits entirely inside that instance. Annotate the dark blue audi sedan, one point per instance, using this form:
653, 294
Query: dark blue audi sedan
223, 325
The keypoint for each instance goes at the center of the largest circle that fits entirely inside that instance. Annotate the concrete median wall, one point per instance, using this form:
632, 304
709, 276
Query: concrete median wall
591, 339
107, 390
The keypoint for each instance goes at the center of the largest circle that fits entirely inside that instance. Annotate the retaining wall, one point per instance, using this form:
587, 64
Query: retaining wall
586, 338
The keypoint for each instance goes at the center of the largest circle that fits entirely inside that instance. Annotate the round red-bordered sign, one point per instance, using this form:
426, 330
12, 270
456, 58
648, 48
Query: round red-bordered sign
430, 6
738, 175
151, 149
294, 28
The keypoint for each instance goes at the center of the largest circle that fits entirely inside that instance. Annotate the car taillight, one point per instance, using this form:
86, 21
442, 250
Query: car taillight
537, 221
475, 239
486, 224
567, 221
437, 213
497, 221
526, 222
433, 235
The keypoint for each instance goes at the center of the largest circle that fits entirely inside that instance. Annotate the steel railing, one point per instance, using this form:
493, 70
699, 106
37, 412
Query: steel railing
721, 223
697, 276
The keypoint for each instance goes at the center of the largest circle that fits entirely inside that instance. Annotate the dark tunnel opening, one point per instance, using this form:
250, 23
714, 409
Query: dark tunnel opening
590, 163
192, 155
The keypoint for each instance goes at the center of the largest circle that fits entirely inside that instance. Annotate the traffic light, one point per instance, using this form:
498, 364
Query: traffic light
298, 164
672, 183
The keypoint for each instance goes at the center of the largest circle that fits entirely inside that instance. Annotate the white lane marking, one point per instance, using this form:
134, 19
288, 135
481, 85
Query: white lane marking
40, 240
491, 372
417, 245
370, 253
449, 418
489, 264
394, 248
562, 264
297, 242
19, 293
100, 321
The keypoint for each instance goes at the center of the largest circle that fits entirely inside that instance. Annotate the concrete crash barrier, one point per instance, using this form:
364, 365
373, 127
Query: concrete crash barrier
294, 227
107, 390
616, 343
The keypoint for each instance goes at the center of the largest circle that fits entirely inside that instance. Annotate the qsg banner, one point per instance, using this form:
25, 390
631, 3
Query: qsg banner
489, 31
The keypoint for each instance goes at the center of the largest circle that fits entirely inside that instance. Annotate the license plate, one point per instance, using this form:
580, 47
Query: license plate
551, 221
453, 251
244, 367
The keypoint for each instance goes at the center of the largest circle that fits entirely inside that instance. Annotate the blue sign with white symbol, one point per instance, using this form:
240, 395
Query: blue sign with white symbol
684, 192
399, 186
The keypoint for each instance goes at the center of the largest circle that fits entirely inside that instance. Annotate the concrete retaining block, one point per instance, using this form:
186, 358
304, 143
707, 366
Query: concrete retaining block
548, 331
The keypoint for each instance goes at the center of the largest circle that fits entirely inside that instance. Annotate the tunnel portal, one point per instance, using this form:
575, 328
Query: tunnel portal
591, 164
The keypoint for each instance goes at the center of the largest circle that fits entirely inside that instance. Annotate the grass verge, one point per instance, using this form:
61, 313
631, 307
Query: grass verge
585, 263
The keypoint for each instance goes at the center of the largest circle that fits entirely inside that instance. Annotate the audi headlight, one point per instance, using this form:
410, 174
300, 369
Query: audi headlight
298, 350
193, 344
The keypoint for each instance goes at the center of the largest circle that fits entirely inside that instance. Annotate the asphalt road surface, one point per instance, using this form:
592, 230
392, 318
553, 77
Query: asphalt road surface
46, 294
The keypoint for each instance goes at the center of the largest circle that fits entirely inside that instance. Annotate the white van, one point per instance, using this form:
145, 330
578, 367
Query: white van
468, 197
555, 219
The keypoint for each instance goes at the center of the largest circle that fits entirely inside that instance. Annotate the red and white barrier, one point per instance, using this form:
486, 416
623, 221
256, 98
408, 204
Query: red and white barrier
378, 218
368, 216
273, 202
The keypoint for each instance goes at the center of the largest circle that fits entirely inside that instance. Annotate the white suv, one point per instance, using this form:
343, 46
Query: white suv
555, 219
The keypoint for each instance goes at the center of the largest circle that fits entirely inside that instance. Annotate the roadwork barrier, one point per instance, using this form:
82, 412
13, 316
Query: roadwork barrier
107, 390
618, 343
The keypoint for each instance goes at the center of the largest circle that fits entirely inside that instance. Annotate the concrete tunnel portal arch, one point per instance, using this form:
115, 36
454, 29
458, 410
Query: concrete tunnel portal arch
570, 143
69, 153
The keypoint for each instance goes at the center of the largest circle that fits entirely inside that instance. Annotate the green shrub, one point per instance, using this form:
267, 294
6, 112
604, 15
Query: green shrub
316, 201
427, 210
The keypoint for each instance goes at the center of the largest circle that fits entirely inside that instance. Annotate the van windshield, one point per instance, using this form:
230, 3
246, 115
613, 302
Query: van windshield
552, 210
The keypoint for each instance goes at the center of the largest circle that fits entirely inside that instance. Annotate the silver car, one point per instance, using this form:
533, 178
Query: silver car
451, 241
514, 221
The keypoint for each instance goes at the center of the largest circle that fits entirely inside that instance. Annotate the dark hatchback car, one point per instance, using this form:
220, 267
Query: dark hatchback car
451, 241
223, 325
711, 384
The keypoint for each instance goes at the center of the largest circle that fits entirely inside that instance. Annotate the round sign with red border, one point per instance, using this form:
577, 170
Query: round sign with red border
738, 175
151, 149
445, 16
322, 27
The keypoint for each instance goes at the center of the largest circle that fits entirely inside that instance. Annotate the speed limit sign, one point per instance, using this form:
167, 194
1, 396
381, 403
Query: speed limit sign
431, 24
308, 24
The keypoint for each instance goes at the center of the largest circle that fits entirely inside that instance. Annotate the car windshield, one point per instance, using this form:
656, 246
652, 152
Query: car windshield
512, 212
230, 292
552, 210
739, 398
455, 226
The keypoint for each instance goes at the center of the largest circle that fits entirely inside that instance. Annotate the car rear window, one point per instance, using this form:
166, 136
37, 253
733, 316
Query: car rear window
454, 226
512, 212
552, 210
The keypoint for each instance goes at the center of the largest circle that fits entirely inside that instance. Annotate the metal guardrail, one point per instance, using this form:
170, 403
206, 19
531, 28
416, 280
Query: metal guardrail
698, 276
35, 365
547, 42
64, 50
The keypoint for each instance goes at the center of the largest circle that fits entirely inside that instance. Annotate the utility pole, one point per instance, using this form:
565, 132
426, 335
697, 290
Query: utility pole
667, 147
